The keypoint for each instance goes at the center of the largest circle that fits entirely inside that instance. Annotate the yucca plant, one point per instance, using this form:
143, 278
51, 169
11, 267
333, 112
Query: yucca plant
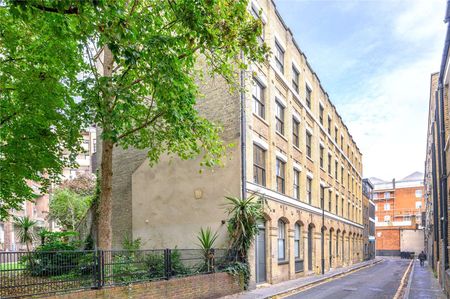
25, 231
207, 239
244, 214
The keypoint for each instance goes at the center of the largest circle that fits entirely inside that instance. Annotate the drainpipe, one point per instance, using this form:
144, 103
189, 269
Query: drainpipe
243, 134
435, 199
443, 174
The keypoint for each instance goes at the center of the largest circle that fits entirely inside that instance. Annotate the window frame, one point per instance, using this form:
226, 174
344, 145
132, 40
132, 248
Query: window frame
308, 144
321, 111
308, 96
295, 132
309, 189
279, 119
280, 175
296, 184
321, 156
281, 241
259, 167
295, 78
259, 106
279, 61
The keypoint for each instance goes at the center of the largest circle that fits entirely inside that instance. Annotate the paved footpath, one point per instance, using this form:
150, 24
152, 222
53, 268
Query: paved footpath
423, 284
267, 291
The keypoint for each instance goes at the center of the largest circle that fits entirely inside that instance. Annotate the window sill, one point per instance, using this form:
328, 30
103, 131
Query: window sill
310, 159
283, 262
297, 148
281, 135
260, 118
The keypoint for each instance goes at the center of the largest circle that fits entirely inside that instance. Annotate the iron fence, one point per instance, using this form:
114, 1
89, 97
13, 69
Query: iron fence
25, 274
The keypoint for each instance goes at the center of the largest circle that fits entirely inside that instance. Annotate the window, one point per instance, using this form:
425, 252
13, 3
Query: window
329, 201
295, 78
321, 114
342, 141
258, 99
256, 15
386, 195
297, 244
280, 175
259, 165
329, 164
337, 204
308, 97
308, 189
342, 175
321, 156
94, 143
418, 193
296, 184
279, 117
295, 132
281, 240
387, 218
322, 197
418, 204
308, 144
348, 210
387, 207
336, 170
329, 125
279, 57
335, 134
342, 207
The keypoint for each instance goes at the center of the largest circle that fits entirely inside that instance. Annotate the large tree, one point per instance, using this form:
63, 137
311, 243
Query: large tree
38, 130
140, 68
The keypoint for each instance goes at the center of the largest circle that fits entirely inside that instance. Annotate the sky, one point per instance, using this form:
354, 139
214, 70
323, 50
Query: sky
375, 58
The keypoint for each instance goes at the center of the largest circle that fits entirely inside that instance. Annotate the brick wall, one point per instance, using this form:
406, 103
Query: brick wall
200, 286
388, 241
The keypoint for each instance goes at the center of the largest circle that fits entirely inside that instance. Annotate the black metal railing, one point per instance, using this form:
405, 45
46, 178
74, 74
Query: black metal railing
25, 274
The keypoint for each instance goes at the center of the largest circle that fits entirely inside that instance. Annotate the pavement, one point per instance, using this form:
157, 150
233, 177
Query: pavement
290, 286
422, 284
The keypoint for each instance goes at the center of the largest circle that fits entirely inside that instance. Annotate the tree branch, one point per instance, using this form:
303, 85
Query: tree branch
145, 124
72, 10
6, 119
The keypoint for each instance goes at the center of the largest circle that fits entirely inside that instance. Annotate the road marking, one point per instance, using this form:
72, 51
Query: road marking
402, 282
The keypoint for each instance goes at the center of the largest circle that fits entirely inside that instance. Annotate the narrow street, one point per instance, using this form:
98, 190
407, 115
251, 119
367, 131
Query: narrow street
379, 281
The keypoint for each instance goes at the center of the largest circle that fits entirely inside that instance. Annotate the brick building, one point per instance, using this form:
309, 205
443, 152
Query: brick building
437, 168
292, 148
399, 206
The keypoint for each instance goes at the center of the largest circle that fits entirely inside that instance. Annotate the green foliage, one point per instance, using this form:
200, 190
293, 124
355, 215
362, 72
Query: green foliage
207, 240
56, 256
241, 271
68, 208
130, 244
25, 231
244, 215
38, 126
152, 52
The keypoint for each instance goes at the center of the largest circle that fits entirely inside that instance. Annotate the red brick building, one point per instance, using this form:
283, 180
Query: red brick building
398, 214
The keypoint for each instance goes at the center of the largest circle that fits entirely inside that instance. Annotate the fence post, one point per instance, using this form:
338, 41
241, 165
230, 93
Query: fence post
167, 263
100, 268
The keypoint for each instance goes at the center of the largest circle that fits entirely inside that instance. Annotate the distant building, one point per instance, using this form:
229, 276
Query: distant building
38, 210
398, 215
368, 219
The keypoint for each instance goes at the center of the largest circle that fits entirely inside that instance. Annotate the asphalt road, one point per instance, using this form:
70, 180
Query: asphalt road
380, 281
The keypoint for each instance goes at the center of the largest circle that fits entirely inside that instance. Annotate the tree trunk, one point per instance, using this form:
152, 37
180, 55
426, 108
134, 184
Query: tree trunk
105, 204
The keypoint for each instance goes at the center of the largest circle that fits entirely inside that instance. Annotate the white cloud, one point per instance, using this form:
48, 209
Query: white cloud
389, 121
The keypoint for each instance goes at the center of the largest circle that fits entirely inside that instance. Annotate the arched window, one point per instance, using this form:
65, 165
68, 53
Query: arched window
281, 240
297, 238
